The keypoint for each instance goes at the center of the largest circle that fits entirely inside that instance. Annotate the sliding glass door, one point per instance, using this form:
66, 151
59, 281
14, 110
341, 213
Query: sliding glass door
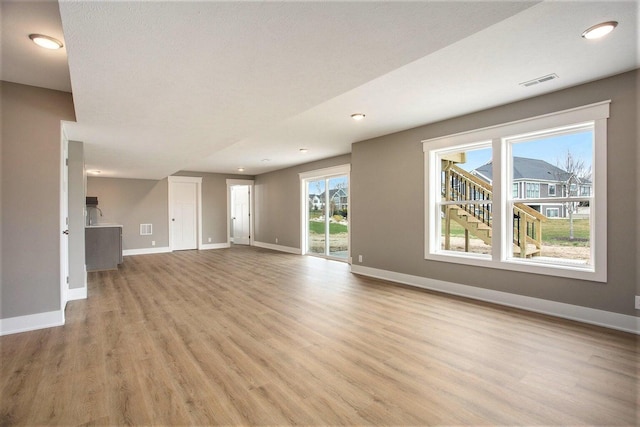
326, 215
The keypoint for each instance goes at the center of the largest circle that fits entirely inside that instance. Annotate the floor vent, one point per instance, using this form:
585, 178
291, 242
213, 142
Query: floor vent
539, 80
146, 229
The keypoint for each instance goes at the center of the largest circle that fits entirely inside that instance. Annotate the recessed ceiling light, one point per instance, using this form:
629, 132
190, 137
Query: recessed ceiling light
240, 169
45, 41
357, 116
599, 30
266, 160
304, 150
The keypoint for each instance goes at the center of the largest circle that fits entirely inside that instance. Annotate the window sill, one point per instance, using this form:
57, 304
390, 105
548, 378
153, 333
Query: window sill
533, 266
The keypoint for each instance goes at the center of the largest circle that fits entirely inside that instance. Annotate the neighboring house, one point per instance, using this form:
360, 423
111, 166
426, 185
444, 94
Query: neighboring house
315, 202
338, 200
536, 179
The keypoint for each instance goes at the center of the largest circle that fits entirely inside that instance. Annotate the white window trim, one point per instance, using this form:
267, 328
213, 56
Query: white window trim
498, 135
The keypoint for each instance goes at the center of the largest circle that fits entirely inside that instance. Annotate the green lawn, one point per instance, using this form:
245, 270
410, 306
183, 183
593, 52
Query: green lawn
315, 214
555, 232
334, 228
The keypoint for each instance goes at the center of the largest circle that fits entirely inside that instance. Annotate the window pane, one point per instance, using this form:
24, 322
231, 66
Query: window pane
562, 240
466, 178
338, 217
317, 206
562, 163
559, 165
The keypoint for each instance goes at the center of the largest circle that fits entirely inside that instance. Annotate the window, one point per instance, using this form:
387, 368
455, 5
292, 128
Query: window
573, 189
533, 190
465, 196
552, 212
471, 218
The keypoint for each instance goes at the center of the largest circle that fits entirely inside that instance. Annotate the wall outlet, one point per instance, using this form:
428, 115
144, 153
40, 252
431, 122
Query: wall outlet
276, 240
209, 239
359, 258
637, 302
153, 243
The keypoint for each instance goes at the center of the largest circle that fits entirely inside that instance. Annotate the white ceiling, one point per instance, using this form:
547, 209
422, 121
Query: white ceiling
21, 61
213, 86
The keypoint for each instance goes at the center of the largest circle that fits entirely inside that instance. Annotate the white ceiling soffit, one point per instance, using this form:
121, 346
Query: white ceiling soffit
481, 71
21, 60
161, 87
158, 86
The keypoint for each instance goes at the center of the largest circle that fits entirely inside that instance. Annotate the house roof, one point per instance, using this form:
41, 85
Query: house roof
526, 168
332, 193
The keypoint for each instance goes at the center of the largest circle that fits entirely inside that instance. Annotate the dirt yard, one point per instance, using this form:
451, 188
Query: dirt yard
566, 252
339, 242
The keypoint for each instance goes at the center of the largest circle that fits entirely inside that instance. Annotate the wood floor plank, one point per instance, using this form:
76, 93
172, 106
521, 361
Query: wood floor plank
248, 336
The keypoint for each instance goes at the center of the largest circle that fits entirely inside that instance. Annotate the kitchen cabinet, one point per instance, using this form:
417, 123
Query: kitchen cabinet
103, 247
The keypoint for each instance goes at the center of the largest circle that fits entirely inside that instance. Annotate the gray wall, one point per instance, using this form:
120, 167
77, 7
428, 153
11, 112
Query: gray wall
76, 215
31, 197
277, 202
132, 202
388, 201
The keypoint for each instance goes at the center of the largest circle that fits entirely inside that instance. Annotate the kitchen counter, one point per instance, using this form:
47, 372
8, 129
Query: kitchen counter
103, 246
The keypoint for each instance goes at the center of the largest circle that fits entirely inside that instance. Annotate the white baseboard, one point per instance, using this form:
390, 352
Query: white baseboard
278, 248
208, 246
76, 294
146, 251
31, 322
592, 316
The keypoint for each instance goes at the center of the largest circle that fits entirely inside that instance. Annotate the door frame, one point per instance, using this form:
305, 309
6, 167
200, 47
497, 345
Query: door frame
244, 182
186, 179
64, 219
314, 175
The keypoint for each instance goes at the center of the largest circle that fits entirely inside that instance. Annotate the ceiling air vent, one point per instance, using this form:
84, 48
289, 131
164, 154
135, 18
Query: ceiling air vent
539, 80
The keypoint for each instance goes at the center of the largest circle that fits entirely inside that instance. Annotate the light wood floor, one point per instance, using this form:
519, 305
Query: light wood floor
251, 336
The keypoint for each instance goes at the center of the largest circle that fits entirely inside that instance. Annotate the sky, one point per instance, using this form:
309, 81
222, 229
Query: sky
317, 187
552, 150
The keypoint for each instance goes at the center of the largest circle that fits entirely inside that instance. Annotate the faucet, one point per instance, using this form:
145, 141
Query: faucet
89, 213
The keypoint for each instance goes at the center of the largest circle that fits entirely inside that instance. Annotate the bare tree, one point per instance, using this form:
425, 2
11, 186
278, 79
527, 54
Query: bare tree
576, 168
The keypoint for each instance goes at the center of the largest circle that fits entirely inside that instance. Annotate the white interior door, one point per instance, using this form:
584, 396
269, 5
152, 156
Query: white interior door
240, 214
184, 216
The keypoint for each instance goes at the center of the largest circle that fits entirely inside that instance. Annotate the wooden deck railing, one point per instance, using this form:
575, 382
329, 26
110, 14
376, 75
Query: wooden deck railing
459, 185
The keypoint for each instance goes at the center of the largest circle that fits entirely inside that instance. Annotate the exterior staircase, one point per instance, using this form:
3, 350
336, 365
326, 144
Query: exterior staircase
473, 212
